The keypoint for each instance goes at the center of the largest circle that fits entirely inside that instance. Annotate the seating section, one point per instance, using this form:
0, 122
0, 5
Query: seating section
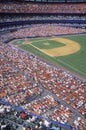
44, 30
36, 95
30, 84
42, 8
24, 17
15, 120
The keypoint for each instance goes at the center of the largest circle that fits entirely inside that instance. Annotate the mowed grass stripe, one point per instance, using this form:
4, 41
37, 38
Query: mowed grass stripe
70, 66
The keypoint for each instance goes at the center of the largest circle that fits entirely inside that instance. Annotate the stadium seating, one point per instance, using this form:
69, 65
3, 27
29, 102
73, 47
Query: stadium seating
36, 95
42, 8
27, 88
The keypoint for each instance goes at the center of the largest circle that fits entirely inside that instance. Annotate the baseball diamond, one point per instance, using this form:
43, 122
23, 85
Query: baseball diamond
69, 46
66, 50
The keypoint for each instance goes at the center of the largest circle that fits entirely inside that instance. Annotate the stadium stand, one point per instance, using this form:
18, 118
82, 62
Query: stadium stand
42, 8
28, 98
16, 65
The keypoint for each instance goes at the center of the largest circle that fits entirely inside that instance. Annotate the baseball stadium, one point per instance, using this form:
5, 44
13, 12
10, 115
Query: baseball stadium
42, 64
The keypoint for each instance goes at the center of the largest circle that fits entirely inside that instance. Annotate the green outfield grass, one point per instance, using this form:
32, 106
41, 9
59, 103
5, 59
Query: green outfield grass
75, 62
18, 42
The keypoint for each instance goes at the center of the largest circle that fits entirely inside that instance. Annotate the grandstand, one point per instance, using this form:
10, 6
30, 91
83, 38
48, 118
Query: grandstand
37, 91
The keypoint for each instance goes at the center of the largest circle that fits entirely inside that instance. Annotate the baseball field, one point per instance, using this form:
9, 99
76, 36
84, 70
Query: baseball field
66, 51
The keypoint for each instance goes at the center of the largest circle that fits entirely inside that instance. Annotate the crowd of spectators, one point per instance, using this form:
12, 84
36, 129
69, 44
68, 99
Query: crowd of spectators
72, 28
12, 18
42, 30
10, 119
12, 79
4, 123
39, 87
54, 19
46, 30
42, 8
